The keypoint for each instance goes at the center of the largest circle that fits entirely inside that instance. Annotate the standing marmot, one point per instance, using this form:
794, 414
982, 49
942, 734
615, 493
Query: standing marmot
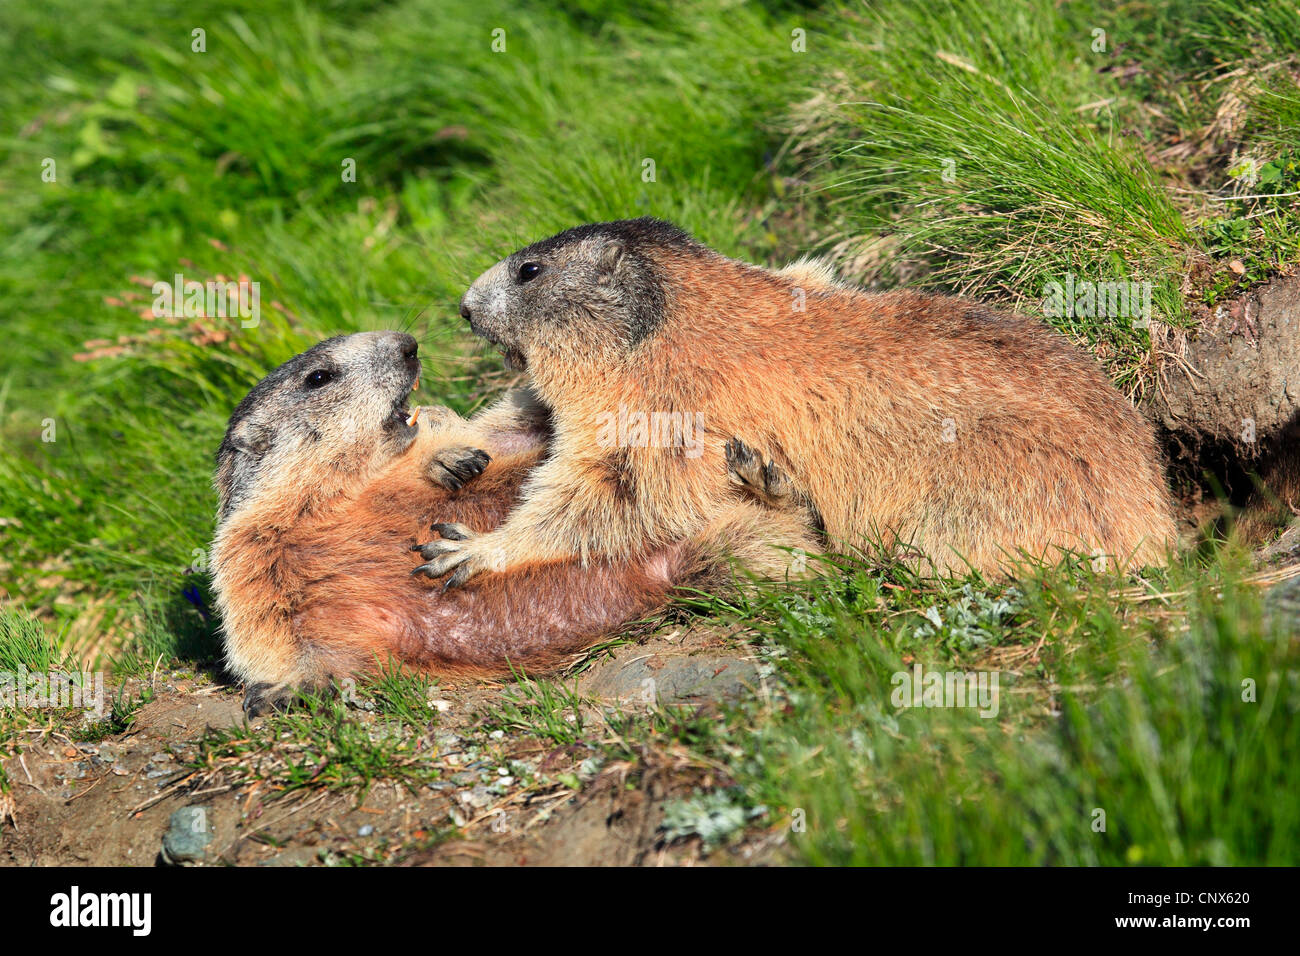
918, 422
325, 480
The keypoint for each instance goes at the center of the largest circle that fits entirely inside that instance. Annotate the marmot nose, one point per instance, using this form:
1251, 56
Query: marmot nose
464, 308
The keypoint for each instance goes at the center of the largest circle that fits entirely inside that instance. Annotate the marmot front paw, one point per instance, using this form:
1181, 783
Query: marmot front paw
461, 548
455, 467
764, 480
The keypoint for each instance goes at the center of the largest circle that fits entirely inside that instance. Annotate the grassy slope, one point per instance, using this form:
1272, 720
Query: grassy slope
991, 148
462, 153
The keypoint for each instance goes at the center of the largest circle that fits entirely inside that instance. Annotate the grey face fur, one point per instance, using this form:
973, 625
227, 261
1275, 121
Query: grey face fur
594, 290
339, 404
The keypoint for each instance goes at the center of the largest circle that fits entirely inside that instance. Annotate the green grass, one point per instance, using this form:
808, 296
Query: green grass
1131, 707
160, 150
1173, 147
317, 745
25, 644
540, 708
993, 148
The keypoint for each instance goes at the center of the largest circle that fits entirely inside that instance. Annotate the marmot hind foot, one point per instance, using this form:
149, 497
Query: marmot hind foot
763, 479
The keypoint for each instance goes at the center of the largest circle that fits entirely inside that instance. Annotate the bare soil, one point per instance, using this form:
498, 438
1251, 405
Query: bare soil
109, 803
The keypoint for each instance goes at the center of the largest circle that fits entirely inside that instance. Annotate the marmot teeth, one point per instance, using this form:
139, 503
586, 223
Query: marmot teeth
415, 413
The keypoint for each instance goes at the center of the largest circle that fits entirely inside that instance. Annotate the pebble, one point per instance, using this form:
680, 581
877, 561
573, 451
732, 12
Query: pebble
476, 798
187, 837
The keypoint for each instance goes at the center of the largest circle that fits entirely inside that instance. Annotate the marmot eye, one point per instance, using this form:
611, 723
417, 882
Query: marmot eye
322, 376
529, 270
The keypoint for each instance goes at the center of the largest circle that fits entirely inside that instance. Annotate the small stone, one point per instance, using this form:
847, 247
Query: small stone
476, 798
365, 831
187, 837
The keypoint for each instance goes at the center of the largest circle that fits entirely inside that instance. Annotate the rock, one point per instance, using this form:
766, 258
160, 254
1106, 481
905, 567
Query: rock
446, 740
1282, 604
673, 680
476, 798
1247, 362
1284, 549
188, 836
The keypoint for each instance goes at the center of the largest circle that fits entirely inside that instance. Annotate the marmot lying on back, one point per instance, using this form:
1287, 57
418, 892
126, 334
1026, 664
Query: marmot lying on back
928, 425
325, 480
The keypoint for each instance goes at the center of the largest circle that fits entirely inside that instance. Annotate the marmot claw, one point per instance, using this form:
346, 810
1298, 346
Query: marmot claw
452, 531
453, 468
446, 554
457, 550
261, 698
764, 479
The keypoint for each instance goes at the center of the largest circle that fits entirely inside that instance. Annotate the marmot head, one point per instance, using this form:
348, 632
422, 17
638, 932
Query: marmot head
341, 406
591, 293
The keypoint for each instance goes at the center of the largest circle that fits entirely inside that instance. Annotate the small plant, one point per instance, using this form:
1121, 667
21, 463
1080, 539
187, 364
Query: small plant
122, 715
969, 619
318, 745
398, 693
715, 817
545, 709
25, 644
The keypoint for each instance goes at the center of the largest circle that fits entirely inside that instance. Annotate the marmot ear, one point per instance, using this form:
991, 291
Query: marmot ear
253, 439
611, 256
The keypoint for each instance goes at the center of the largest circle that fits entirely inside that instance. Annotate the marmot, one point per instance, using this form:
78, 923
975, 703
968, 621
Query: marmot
931, 426
325, 479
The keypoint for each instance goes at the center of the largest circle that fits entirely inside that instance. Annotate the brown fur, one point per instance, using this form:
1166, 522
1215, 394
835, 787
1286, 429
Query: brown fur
853, 396
323, 494
335, 595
